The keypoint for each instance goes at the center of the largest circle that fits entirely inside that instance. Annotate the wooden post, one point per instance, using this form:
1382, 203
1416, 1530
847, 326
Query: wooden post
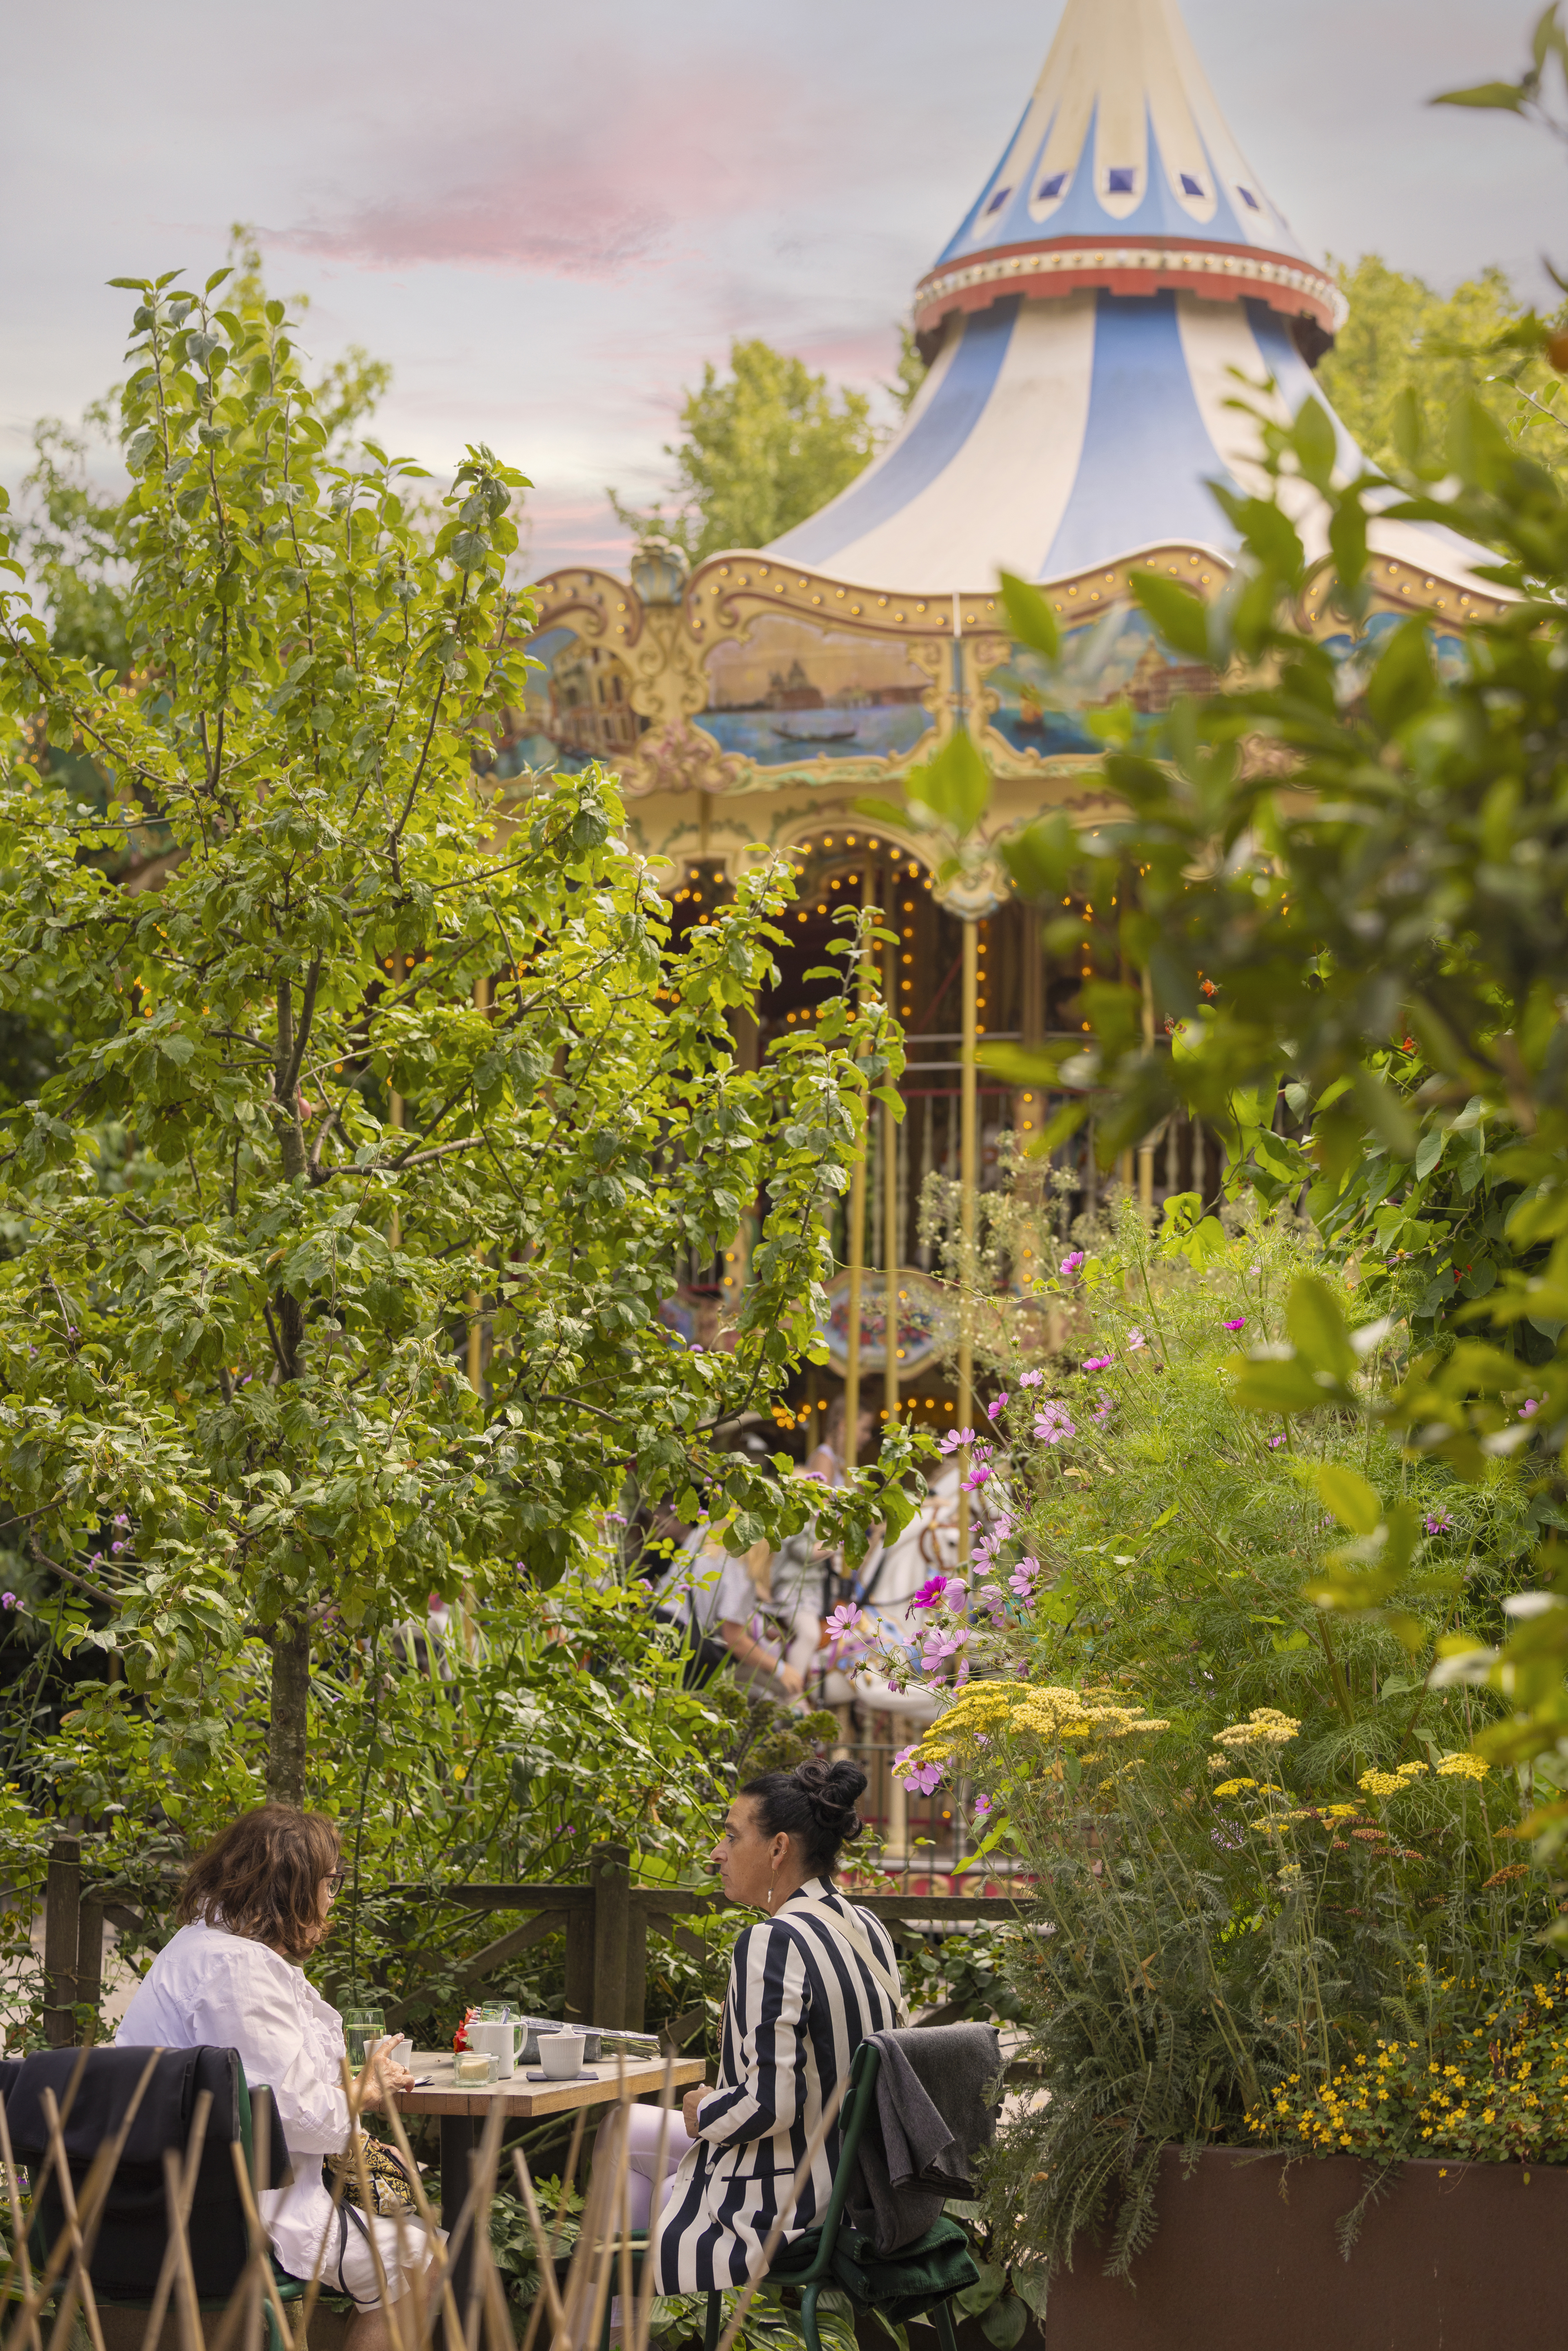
636, 2007
578, 2003
968, 1178
62, 1934
610, 1874
89, 1956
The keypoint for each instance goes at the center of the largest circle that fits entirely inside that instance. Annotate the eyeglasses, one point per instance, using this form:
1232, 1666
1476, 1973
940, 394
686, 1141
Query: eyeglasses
334, 1878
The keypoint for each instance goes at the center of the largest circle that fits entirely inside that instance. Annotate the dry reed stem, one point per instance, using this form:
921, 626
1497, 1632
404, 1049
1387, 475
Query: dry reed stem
615, 2202
642, 2321
569, 2175
187, 2305
95, 2188
61, 2246
543, 2249
756, 2275
368, 2207
259, 2265
438, 2260
82, 2226
18, 2233
180, 2213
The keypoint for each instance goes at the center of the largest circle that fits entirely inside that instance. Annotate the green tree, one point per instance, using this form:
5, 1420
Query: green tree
388, 1083
69, 538
1403, 343
762, 449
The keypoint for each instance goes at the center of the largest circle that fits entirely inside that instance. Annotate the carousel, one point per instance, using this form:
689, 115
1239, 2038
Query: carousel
1120, 305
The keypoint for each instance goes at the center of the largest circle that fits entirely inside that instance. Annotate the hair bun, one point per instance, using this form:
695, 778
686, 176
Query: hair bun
832, 1791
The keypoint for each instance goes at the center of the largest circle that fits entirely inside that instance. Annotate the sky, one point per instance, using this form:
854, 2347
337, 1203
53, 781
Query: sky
547, 218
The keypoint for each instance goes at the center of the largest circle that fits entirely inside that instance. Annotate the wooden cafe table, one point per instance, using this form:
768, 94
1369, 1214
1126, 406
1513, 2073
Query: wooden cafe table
464, 2111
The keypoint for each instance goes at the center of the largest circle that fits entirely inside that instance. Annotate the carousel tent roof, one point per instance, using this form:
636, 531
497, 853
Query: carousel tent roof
1120, 281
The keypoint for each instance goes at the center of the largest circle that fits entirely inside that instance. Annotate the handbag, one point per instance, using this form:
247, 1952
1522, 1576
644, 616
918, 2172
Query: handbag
389, 2185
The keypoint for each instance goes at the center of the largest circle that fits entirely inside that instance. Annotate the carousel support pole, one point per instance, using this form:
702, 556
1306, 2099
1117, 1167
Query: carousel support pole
967, 1187
856, 1248
890, 1232
1146, 1148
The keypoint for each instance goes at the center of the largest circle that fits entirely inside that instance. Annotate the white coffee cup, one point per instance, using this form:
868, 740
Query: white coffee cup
560, 2053
499, 2041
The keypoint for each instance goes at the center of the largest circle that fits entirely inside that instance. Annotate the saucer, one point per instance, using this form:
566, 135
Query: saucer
587, 2075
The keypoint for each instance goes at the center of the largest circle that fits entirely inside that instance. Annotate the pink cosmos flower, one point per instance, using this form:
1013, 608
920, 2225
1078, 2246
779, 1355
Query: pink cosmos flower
1136, 1340
977, 1477
1237, 1322
1440, 1522
931, 1593
9, 1600
844, 1619
1031, 1379
1055, 1422
1074, 1259
1529, 1407
982, 1806
1098, 1362
993, 1409
954, 1439
1022, 1579
1274, 1443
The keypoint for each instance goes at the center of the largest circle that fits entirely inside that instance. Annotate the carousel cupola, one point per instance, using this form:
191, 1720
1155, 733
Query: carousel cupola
1123, 175
1121, 277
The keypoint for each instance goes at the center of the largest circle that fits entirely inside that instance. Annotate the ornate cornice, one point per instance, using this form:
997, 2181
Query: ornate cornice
1225, 273
606, 609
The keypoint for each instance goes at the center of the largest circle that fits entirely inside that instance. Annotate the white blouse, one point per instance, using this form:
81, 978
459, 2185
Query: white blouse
209, 1989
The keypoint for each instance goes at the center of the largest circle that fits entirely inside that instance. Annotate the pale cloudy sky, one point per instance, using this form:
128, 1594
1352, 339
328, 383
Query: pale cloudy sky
547, 216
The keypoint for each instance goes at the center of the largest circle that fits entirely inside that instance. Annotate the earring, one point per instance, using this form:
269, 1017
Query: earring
771, 1878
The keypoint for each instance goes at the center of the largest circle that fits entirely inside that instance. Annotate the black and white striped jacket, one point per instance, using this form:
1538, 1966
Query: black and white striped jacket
799, 2004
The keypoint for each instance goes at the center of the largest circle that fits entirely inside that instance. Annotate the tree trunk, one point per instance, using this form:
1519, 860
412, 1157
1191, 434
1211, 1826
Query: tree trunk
291, 1689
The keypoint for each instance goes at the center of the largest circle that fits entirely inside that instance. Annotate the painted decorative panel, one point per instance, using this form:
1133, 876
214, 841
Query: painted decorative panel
1043, 707
788, 690
576, 709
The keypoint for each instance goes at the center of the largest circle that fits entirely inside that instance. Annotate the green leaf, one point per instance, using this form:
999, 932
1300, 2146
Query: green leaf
1278, 1387
883, 812
1348, 1496
1506, 94
956, 785
1317, 1327
1403, 681
1181, 618
1030, 618
1041, 858
1313, 440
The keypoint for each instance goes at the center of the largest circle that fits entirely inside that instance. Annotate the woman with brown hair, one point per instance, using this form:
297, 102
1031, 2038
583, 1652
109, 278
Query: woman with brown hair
254, 1906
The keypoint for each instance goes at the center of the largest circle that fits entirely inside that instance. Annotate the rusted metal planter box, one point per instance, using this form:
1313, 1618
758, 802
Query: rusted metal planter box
1455, 2257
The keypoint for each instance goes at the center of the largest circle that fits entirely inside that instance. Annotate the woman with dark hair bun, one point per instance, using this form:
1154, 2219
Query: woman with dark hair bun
806, 1987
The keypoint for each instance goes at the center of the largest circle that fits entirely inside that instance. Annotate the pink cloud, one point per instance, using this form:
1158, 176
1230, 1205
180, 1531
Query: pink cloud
596, 189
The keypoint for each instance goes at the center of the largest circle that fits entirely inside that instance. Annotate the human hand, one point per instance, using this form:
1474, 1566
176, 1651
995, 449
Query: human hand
792, 1678
380, 2077
689, 2105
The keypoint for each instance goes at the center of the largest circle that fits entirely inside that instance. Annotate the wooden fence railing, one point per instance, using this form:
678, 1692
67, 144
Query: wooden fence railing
607, 1922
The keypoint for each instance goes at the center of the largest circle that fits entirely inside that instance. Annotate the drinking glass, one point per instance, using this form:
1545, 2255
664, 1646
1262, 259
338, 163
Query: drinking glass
363, 2028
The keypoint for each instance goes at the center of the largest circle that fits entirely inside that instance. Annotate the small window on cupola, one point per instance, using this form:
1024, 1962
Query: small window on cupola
998, 200
1190, 187
1248, 198
1051, 187
1121, 180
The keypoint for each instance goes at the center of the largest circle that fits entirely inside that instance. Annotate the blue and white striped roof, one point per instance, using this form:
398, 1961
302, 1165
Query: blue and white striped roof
1081, 396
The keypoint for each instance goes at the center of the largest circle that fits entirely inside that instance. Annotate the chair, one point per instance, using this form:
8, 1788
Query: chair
128, 2242
809, 2262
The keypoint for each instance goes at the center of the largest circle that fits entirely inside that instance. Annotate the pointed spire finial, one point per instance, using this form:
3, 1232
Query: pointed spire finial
1123, 173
